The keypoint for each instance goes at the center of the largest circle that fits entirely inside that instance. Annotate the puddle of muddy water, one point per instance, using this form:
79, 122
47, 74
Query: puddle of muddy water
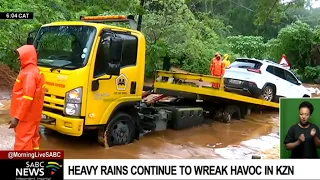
214, 141
237, 140
249, 148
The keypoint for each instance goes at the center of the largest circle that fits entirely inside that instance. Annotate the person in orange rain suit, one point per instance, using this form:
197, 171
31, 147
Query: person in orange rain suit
217, 68
27, 101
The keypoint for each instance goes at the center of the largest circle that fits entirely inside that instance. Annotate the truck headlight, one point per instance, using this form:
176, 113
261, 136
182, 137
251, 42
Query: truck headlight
73, 102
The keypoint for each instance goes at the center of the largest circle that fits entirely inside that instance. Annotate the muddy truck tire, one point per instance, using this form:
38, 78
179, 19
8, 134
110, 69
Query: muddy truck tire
120, 130
231, 112
217, 114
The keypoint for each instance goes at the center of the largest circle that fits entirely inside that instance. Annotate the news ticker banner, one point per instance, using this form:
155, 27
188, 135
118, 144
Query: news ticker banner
50, 165
191, 169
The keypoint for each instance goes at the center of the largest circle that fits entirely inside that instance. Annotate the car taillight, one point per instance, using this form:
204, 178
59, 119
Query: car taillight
252, 84
254, 70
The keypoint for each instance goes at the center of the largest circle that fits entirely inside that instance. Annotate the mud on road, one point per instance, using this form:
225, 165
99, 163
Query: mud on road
257, 134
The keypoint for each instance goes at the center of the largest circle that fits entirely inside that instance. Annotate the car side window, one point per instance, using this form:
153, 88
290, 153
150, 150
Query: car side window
270, 69
279, 72
290, 78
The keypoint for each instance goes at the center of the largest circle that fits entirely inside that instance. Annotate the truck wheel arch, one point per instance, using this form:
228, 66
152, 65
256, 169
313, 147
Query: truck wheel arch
127, 107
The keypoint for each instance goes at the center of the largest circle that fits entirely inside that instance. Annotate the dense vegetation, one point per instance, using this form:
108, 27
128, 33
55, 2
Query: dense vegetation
189, 32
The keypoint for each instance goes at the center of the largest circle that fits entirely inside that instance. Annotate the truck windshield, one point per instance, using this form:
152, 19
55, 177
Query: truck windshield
64, 47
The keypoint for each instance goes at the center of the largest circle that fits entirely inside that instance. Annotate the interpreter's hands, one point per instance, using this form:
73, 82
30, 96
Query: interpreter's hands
301, 138
313, 132
13, 123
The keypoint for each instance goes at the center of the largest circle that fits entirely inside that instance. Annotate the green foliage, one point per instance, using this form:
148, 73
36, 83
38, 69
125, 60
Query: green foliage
311, 73
297, 73
13, 33
249, 46
189, 32
296, 41
299, 42
174, 32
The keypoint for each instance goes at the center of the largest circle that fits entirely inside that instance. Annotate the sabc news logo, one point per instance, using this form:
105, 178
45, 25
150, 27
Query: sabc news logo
54, 166
38, 169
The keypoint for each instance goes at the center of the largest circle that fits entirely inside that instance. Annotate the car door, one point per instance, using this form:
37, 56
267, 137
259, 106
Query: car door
281, 83
294, 85
276, 76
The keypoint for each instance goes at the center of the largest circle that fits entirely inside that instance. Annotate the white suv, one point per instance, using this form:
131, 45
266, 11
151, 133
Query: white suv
263, 79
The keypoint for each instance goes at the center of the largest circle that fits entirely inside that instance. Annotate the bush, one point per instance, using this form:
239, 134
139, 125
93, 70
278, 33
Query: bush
297, 73
311, 73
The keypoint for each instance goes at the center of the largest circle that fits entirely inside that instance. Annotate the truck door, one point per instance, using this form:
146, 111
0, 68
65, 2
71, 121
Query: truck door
116, 88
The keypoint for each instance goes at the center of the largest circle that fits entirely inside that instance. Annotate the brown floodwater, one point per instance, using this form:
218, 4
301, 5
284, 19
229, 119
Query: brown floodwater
213, 140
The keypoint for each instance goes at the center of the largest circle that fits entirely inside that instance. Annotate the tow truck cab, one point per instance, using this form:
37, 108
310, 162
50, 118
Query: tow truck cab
94, 75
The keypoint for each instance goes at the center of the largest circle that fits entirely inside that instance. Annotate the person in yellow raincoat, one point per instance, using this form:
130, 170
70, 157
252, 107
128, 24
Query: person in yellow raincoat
226, 60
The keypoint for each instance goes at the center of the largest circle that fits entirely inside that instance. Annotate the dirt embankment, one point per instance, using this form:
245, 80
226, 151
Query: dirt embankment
7, 78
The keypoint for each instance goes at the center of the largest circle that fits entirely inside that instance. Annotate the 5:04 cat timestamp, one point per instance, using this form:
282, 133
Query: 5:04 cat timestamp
16, 15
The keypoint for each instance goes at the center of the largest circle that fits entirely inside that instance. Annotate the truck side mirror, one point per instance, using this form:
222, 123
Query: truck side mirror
30, 40
116, 47
31, 37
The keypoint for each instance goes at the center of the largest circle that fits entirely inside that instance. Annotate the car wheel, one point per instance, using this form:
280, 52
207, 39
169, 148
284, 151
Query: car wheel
119, 131
268, 93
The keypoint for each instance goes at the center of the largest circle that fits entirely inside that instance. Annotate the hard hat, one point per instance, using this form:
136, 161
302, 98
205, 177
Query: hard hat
226, 55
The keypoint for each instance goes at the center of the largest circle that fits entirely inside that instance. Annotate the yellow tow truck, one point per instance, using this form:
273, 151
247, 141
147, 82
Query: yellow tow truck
95, 77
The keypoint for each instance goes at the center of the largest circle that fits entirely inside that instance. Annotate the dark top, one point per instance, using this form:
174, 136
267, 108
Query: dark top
307, 149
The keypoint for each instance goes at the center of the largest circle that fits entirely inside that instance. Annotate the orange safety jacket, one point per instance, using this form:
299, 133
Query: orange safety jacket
217, 67
28, 91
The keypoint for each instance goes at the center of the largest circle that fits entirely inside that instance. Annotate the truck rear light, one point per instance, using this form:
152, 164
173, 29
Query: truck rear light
254, 70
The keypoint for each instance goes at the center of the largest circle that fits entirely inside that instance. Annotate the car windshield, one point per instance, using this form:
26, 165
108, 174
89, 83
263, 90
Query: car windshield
65, 47
246, 63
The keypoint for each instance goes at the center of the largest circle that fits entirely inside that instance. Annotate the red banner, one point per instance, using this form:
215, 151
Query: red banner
32, 155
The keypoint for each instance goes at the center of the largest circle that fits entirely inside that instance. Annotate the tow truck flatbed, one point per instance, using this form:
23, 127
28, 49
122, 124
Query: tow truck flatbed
177, 83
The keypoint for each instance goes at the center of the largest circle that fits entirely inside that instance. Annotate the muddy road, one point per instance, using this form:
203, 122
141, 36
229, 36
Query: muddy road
258, 134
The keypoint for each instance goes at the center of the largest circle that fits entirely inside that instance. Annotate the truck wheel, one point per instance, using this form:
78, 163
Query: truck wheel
230, 112
119, 131
268, 93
